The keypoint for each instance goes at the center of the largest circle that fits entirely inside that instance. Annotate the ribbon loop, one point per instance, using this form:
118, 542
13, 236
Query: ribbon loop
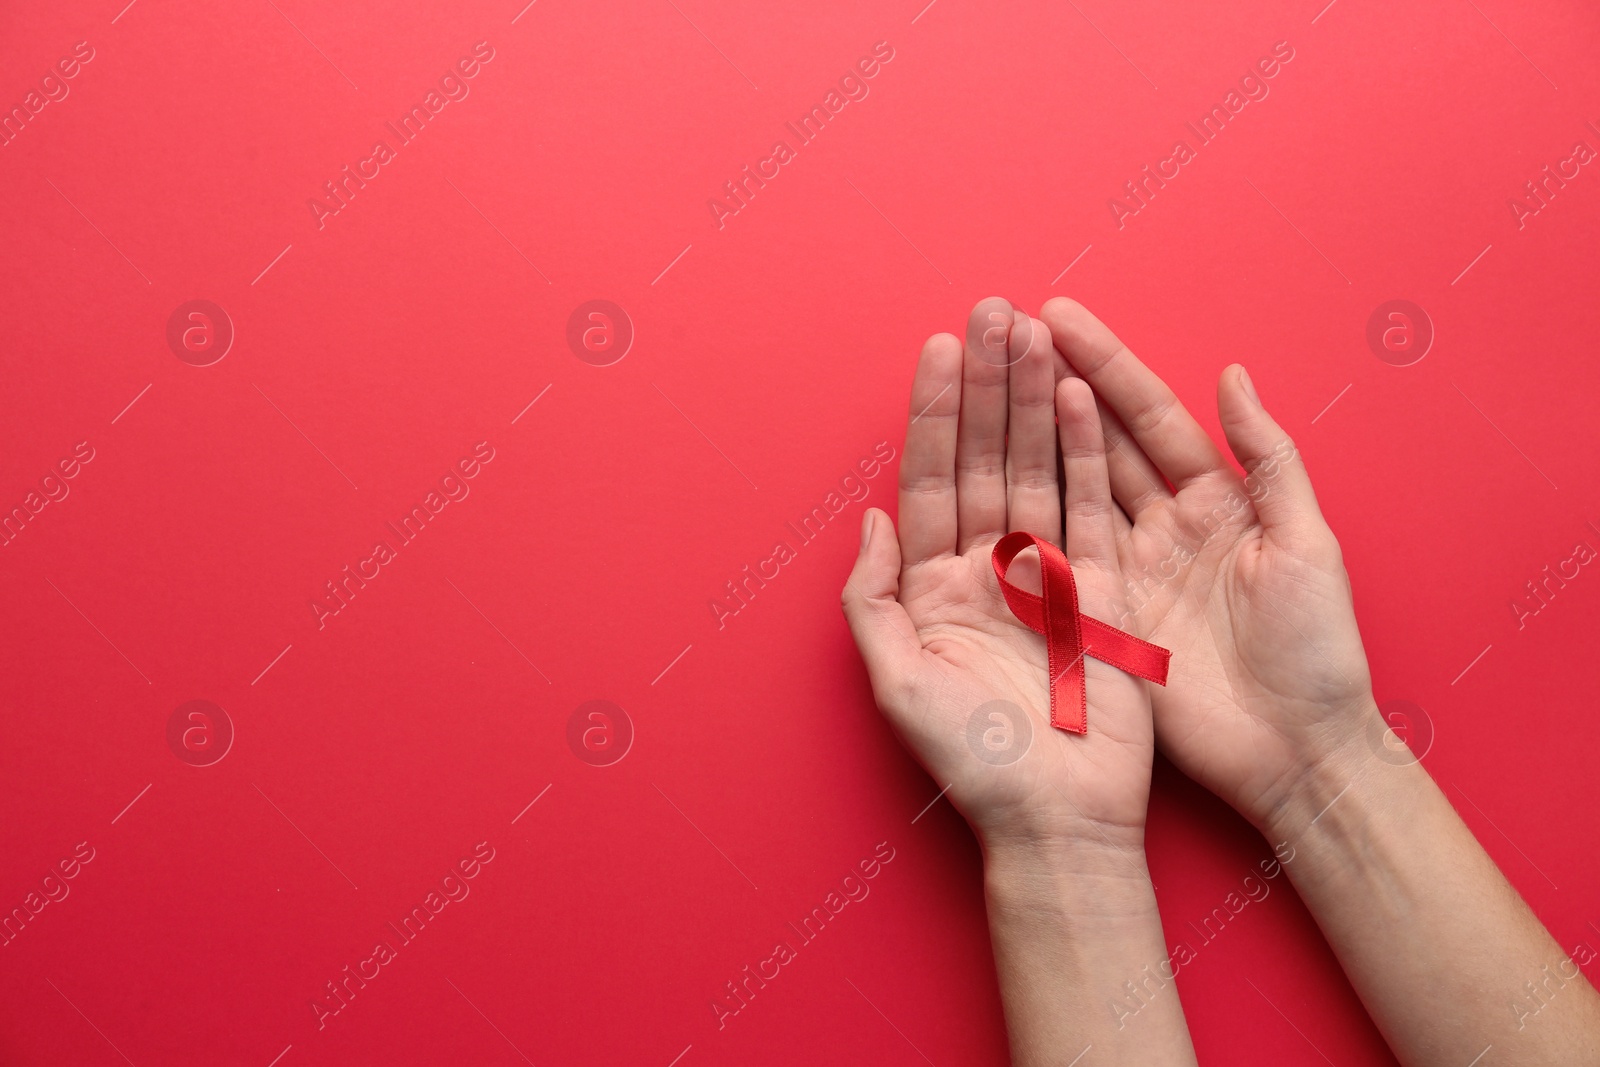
1069, 634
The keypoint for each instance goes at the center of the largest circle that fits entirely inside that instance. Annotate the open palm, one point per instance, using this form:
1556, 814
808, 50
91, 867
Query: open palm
1238, 575
961, 679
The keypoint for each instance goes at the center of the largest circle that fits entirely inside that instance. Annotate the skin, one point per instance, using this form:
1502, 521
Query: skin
1269, 704
1071, 909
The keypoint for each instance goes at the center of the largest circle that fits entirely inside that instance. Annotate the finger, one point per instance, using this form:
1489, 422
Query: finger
1033, 495
1091, 536
1135, 482
1275, 478
981, 438
1136, 485
1121, 525
882, 630
1124, 531
1169, 435
928, 468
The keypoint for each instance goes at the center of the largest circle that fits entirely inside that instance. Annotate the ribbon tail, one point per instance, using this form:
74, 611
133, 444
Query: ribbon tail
1069, 696
1126, 652
1069, 634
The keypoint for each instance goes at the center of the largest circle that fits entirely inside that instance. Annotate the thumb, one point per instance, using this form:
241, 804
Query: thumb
882, 630
1275, 477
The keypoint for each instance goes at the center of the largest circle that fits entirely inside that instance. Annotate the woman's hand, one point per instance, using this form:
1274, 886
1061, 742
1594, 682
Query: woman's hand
1072, 913
1269, 704
1238, 575
962, 680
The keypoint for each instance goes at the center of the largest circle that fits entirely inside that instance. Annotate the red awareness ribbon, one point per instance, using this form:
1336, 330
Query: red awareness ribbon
1069, 634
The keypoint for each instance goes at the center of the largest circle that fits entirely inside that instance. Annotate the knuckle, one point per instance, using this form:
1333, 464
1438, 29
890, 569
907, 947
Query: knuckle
1091, 507
1152, 414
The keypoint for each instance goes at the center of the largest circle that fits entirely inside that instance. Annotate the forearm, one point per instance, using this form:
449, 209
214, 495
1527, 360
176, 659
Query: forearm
1079, 951
1437, 943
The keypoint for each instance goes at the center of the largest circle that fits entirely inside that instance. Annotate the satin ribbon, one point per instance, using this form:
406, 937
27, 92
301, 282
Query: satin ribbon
1069, 634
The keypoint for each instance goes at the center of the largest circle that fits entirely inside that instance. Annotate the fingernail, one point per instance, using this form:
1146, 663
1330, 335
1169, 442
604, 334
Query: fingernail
1249, 386
1019, 341
866, 529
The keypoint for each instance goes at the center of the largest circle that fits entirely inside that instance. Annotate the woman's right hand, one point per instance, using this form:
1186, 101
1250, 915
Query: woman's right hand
1238, 575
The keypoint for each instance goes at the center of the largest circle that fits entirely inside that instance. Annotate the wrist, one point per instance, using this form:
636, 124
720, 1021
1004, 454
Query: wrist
1082, 880
1331, 762
1054, 817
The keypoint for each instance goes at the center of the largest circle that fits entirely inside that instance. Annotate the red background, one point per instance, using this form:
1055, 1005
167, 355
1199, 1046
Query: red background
769, 357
